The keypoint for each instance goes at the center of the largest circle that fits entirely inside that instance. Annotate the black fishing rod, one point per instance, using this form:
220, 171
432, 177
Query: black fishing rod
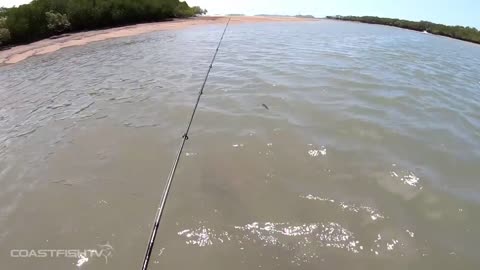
163, 201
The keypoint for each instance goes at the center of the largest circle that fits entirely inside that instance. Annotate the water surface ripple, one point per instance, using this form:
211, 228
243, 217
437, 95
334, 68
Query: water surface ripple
316, 145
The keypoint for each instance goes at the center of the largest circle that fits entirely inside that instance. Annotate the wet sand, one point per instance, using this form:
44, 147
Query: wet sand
22, 52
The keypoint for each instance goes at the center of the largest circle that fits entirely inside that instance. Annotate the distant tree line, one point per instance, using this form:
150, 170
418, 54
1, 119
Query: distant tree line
280, 15
45, 18
305, 16
470, 34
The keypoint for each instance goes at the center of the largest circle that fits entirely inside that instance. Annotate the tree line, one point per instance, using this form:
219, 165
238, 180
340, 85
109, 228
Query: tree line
470, 34
45, 18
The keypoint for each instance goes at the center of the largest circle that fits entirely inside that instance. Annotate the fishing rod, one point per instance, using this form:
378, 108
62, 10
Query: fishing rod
166, 190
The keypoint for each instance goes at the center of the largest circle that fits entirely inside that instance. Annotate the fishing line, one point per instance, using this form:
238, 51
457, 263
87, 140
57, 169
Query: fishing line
163, 201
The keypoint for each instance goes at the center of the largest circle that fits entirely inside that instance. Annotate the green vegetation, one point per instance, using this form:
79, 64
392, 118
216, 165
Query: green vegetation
57, 22
184, 11
4, 33
45, 18
470, 34
198, 10
305, 16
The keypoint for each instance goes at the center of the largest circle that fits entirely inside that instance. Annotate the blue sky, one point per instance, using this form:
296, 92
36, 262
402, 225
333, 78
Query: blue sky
452, 12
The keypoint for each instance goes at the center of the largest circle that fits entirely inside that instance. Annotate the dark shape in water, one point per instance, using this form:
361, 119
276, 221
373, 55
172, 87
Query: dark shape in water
265, 106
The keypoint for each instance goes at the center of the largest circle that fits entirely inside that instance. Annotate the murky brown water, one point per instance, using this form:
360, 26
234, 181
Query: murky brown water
366, 158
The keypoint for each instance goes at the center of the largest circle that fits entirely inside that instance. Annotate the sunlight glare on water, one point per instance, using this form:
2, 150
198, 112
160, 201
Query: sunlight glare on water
324, 144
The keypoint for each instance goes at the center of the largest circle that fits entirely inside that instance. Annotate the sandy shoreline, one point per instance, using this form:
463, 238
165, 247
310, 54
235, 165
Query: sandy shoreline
22, 52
